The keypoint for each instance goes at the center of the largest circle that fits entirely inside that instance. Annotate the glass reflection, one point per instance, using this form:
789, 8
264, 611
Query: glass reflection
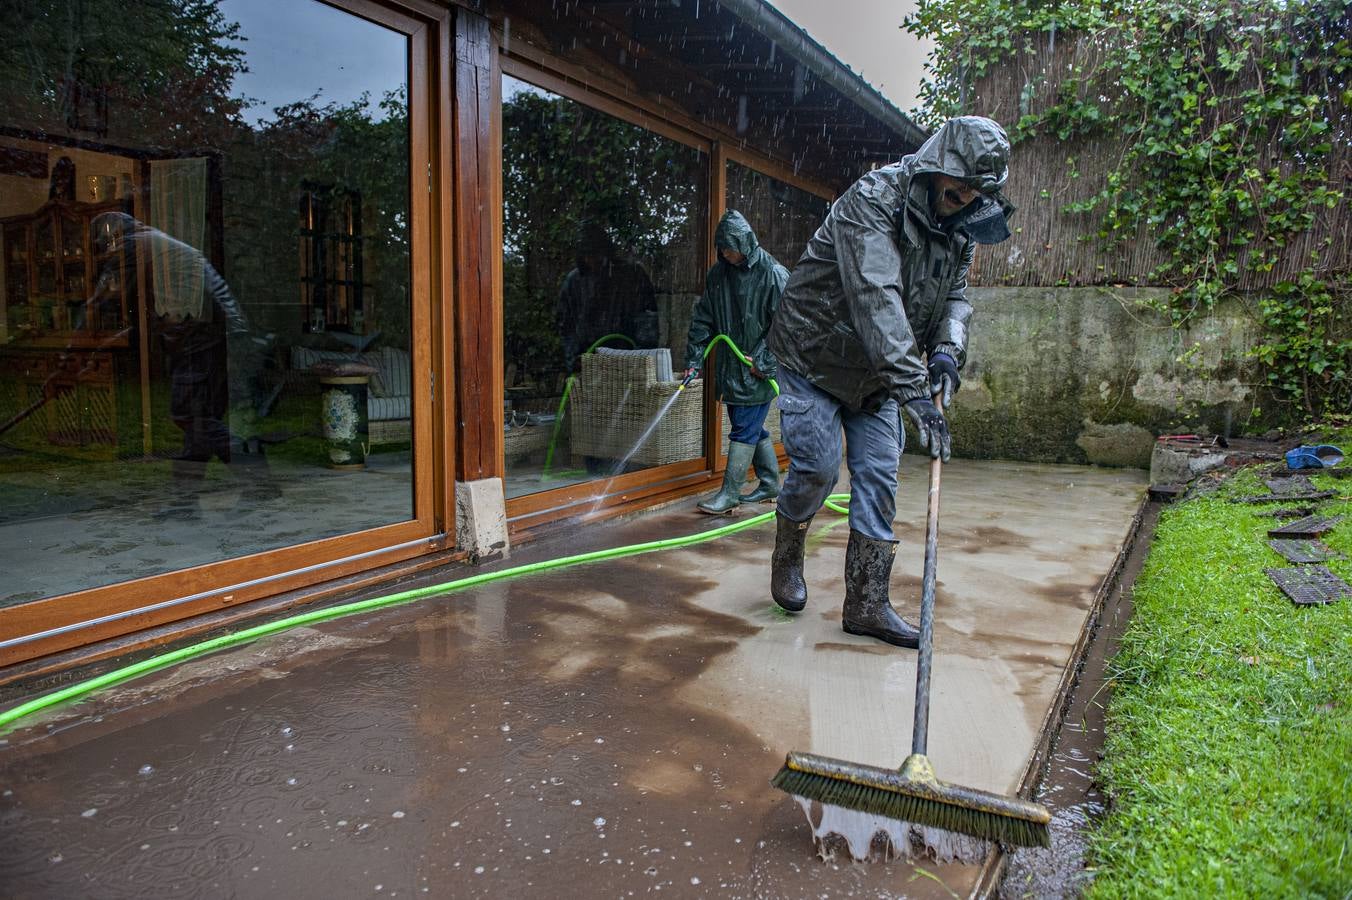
784, 216
603, 259
204, 285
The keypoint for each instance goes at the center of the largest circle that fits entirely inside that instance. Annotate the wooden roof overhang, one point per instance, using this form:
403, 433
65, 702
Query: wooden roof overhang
735, 71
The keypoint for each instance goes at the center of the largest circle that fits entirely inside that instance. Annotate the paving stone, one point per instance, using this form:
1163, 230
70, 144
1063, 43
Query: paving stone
1167, 492
1290, 485
1310, 585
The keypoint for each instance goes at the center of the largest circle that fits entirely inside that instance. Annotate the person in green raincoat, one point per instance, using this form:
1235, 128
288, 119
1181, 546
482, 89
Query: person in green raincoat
741, 294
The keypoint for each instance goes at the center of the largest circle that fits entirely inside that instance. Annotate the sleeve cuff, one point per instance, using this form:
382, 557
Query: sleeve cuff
951, 350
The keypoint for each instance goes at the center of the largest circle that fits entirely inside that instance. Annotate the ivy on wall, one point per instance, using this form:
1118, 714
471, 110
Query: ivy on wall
1234, 117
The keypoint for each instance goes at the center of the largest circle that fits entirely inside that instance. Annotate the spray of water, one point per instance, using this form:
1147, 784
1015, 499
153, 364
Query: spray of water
642, 439
865, 836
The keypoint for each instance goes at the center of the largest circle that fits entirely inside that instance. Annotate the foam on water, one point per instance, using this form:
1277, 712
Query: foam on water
860, 832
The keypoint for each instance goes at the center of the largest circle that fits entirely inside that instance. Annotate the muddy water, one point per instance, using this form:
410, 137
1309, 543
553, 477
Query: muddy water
526, 742
1068, 788
607, 730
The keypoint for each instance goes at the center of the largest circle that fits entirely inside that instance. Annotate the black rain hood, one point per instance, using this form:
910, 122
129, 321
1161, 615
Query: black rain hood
975, 151
882, 285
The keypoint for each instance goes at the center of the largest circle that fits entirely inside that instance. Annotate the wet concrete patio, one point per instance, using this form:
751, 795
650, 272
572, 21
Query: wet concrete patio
605, 730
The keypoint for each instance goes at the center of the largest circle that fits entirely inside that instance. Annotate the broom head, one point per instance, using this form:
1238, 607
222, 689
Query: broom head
913, 794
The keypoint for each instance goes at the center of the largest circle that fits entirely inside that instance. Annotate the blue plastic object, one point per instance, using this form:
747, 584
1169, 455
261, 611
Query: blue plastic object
1313, 456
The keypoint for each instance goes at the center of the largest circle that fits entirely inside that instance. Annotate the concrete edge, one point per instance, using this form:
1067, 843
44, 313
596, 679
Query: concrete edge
993, 868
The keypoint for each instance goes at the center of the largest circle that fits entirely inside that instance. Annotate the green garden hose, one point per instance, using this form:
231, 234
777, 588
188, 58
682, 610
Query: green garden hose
746, 361
117, 676
558, 425
568, 389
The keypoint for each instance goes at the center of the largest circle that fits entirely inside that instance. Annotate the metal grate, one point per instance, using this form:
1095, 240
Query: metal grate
1284, 498
1310, 526
1310, 585
1303, 550
1288, 512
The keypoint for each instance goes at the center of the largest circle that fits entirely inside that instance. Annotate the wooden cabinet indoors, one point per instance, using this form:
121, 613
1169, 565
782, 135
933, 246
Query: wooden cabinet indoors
70, 303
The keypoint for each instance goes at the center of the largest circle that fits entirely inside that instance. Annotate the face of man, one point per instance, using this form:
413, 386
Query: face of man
731, 256
950, 195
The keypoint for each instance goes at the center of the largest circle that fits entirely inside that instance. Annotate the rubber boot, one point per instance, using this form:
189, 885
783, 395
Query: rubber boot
786, 564
767, 470
727, 498
868, 611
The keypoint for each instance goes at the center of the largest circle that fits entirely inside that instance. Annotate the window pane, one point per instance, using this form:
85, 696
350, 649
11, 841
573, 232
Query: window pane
204, 285
603, 258
784, 217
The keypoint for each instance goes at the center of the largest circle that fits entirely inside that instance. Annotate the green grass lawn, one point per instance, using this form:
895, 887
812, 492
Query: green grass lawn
1228, 759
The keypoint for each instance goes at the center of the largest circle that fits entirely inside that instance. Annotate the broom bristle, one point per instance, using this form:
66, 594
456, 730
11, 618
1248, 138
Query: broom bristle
889, 793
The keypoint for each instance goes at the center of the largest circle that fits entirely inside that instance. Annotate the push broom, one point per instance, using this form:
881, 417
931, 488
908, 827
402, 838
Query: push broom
913, 793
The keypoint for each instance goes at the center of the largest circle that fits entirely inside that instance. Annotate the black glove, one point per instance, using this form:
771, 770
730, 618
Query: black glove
931, 425
944, 377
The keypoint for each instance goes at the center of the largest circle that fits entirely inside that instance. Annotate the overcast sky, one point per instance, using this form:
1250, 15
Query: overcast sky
866, 35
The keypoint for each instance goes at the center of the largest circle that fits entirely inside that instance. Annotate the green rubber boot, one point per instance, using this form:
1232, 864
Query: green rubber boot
730, 495
767, 470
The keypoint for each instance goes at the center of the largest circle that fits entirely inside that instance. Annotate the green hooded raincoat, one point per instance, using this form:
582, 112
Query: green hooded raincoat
739, 301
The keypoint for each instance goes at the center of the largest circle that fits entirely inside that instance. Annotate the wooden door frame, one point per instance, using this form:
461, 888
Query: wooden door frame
53, 624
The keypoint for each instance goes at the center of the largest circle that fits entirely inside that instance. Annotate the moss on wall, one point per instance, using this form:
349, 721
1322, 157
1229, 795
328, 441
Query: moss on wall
1093, 374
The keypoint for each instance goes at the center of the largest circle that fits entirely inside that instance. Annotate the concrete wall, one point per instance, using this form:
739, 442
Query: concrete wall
1095, 374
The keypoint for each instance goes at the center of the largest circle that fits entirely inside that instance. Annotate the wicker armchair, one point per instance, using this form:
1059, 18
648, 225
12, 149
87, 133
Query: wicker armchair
615, 399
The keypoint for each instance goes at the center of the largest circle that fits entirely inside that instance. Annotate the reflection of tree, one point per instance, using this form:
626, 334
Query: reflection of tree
349, 146
564, 163
158, 77
160, 67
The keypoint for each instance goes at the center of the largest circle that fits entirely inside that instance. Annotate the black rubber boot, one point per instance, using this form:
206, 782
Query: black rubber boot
786, 564
868, 611
767, 470
734, 476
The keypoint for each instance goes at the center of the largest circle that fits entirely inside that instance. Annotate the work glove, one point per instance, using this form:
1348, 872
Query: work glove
943, 376
931, 425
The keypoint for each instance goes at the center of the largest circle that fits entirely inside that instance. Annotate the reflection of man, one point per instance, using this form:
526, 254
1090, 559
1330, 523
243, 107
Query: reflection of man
875, 315
200, 323
740, 294
604, 295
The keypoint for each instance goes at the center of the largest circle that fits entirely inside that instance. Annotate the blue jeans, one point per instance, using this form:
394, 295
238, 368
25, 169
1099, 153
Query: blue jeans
811, 424
748, 423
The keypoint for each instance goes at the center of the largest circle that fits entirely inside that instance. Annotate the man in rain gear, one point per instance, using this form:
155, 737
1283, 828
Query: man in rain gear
213, 360
875, 319
741, 293
605, 294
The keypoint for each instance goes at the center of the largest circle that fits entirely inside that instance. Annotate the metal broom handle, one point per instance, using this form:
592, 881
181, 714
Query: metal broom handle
920, 731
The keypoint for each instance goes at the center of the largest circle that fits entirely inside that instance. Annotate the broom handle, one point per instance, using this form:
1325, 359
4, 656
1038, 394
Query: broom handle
920, 731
